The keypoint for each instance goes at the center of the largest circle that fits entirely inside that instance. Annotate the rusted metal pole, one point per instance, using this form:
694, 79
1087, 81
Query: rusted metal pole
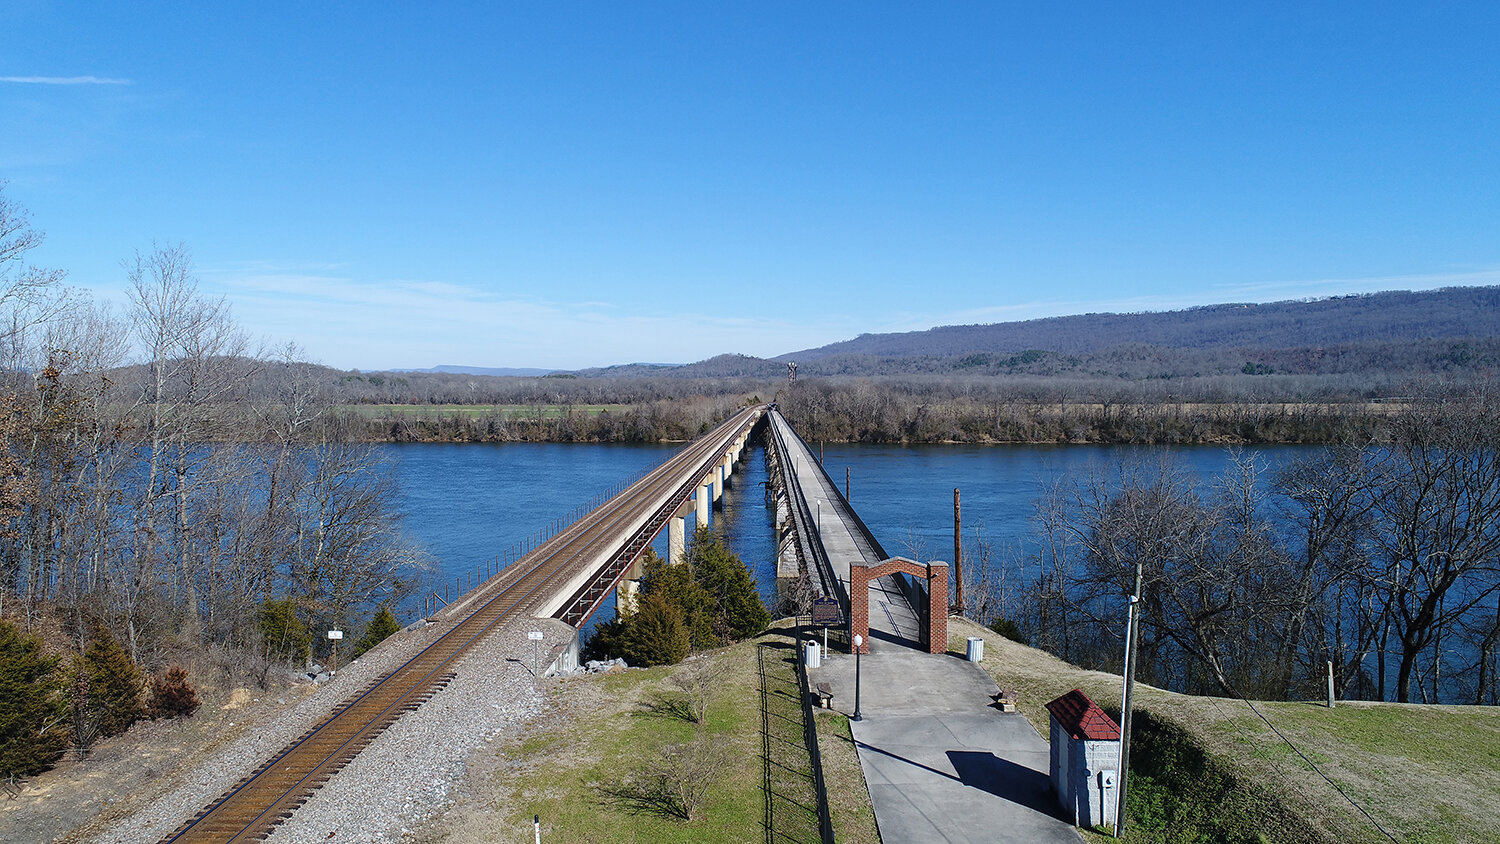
958, 555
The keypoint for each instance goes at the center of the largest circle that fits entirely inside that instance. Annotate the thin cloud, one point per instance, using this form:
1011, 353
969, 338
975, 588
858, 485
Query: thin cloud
346, 322
64, 80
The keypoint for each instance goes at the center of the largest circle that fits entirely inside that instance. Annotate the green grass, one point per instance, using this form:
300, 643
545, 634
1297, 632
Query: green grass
607, 725
1427, 774
1423, 734
791, 801
848, 797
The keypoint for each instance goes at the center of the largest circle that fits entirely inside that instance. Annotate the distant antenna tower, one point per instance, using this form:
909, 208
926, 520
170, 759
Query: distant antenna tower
791, 372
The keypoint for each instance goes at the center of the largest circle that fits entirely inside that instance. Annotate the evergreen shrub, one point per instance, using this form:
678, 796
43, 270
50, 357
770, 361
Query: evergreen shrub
283, 635
114, 686
382, 625
33, 709
172, 696
710, 598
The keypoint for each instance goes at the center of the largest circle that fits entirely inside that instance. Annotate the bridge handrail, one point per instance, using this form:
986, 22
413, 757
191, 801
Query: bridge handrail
802, 515
917, 601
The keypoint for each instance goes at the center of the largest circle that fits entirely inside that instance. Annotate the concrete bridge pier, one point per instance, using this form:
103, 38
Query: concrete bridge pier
677, 535
718, 483
702, 499
627, 593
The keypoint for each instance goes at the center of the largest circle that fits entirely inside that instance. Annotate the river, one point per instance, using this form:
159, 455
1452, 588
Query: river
467, 503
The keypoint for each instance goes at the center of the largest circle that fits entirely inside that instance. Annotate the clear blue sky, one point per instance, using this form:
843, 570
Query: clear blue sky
567, 185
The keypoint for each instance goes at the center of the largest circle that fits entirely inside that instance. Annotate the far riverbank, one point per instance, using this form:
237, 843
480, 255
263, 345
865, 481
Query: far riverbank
952, 422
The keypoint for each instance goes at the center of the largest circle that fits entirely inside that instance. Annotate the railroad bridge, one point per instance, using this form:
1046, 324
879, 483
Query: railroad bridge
569, 575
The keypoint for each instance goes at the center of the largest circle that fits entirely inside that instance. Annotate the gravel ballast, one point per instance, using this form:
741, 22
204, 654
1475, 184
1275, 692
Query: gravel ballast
404, 777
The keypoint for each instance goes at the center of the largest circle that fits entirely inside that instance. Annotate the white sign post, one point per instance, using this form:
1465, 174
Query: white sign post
334, 636
536, 651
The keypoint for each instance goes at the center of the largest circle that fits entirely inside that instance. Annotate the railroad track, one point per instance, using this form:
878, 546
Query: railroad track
254, 806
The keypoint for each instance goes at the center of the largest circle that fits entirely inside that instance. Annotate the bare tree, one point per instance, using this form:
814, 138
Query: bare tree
1211, 572
698, 679
195, 361
348, 549
1328, 500
676, 781
29, 295
1440, 507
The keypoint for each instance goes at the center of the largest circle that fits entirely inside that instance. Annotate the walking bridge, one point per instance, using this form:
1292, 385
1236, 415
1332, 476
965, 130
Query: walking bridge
821, 536
940, 763
567, 577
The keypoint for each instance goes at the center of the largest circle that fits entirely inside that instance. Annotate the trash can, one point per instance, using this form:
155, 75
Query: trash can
976, 649
812, 654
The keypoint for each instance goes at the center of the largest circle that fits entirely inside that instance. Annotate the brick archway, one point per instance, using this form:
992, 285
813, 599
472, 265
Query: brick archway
935, 634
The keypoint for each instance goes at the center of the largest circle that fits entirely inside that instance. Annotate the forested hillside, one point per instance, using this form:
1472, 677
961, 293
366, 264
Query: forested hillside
1391, 316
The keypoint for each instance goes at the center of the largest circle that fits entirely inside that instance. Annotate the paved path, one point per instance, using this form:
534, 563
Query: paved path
941, 763
891, 615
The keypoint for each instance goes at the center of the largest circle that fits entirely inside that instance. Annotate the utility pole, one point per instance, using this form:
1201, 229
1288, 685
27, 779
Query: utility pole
1132, 631
958, 555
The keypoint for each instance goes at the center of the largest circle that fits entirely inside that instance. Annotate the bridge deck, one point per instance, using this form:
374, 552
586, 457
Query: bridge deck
844, 537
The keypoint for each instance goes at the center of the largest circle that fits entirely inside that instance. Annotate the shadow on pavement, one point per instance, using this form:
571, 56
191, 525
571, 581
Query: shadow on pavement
1005, 779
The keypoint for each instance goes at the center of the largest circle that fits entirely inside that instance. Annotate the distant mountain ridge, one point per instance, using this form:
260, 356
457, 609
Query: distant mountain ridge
1452, 312
480, 370
1393, 332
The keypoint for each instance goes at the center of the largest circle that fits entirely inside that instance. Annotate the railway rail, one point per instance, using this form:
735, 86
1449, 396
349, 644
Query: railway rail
254, 806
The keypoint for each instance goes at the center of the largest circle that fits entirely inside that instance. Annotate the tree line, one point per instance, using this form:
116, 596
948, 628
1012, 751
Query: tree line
1380, 557
162, 478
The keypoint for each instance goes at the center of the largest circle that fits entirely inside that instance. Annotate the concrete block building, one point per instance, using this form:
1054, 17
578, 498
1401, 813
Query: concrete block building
1085, 759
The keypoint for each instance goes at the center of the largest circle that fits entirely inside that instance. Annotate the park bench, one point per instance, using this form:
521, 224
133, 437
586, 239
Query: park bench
1006, 699
825, 695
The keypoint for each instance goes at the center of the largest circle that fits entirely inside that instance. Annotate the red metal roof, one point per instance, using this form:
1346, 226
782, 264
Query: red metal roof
1082, 718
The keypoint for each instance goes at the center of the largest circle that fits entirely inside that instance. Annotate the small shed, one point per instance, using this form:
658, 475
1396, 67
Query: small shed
1085, 759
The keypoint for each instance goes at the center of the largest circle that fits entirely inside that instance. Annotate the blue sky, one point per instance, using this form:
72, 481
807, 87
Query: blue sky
507, 184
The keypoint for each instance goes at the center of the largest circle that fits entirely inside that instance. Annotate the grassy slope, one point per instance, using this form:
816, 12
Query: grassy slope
601, 726
1428, 774
848, 797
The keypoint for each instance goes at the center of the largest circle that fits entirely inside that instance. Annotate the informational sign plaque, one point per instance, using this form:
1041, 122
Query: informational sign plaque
826, 613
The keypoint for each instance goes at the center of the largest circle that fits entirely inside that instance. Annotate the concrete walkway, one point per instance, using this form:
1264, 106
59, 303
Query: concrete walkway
891, 615
941, 763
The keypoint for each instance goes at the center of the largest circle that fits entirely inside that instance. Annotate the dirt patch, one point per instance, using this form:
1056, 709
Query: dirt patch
79, 796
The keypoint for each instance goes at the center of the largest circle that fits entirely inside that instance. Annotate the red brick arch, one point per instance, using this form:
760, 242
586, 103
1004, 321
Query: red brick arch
936, 572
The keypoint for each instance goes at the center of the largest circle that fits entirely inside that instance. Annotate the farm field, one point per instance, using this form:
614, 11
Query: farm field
509, 411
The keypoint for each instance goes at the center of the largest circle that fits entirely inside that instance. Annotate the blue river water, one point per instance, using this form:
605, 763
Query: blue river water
465, 503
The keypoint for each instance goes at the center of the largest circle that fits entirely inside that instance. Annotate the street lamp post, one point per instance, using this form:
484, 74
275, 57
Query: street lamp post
858, 643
